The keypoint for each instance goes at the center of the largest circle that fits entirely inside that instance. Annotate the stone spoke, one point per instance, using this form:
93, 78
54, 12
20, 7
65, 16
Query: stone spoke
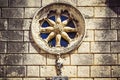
51, 22
58, 20
58, 39
65, 36
65, 22
51, 36
69, 29
46, 30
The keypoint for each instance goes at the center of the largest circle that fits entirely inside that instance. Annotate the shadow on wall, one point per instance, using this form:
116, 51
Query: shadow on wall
114, 5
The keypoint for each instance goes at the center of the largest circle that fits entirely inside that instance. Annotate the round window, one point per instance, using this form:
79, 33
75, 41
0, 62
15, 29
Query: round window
58, 28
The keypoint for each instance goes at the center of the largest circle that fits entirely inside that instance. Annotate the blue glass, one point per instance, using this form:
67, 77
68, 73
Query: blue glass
71, 24
63, 42
45, 24
63, 18
44, 35
52, 18
52, 42
71, 34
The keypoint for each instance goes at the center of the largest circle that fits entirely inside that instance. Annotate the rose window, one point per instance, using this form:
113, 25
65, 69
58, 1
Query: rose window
58, 28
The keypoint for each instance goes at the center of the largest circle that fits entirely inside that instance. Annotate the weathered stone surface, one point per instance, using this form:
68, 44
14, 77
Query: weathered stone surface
70, 71
13, 59
25, 3
17, 47
2, 71
84, 47
3, 36
3, 24
34, 59
52, 58
46, 71
29, 12
34, 79
33, 48
33, 71
81, 79
100, 46
106, 35
105, 79
105, 59
83, 71
97, 23
91, 3
12, 12
104, 12
19, 24
3, 3
100, 71
118, 35
115, 46
14, 78
2, 47
86, 11
26, 36
81, 59
115, 23
89, 35
15, 35
13, 71
115, 71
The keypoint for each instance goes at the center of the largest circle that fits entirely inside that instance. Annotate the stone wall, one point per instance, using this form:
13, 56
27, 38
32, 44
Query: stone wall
97, 58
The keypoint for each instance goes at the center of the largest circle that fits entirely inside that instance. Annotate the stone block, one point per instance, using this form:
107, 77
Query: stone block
86, 11
2, 71
115, 46
81, 59
29, 12
34, 59
26, 36
100, 47
97, 23
3, 3
115, 23
3, 36
81, 79
100, 71
14, 78
105, 79
15, 35
12, 12
46, 71
17, 47
105, 35
84, 47
115, 71
105, 59
89, 35
33, 48
83, 71
15, 71
104, 12
118, 35
3, 46
51, 59
25, 3
33, 71
3, 24
19, 24
91, 3
70, 71
34, 79
13, 59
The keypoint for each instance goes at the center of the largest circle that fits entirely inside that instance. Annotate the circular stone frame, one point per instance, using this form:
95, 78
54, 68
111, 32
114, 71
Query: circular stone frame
42, 14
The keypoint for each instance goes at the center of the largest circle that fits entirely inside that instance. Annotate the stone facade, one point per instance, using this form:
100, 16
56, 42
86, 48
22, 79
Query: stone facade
97, 58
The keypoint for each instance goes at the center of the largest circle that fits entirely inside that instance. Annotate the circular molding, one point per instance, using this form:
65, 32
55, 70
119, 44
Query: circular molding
58, 28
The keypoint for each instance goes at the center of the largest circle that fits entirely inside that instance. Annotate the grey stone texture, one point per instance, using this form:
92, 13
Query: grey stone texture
97, 58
